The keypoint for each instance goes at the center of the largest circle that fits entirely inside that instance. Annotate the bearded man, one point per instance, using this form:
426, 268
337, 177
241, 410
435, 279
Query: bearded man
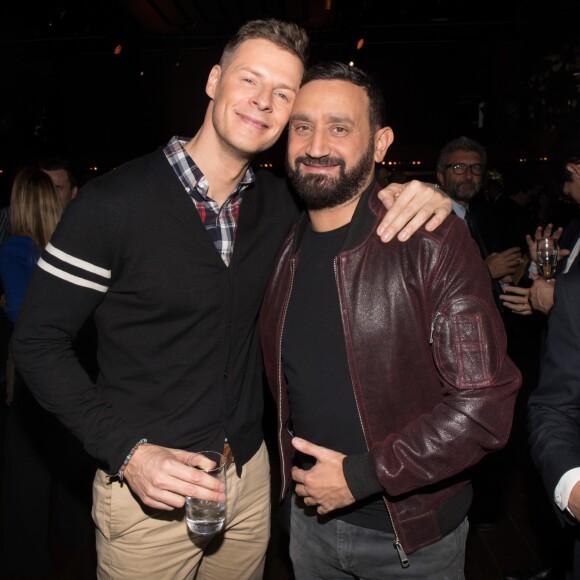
387, 362
461, 168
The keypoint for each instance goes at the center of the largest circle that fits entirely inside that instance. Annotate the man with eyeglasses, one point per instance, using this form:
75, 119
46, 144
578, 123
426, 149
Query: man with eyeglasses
460, 172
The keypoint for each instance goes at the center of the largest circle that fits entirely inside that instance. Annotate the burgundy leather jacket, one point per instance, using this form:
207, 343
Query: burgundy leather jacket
426, 349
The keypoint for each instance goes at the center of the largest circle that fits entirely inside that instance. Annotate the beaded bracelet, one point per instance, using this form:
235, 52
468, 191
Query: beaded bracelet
128, 458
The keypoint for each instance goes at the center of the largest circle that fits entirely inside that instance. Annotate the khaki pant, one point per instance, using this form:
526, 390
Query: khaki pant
136, 542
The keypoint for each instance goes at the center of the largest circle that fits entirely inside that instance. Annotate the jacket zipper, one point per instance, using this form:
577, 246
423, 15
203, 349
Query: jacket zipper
397, 543
435, 317
280, 382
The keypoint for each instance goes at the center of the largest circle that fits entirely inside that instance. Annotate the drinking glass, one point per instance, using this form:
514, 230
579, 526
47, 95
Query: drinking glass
547, 249
206, 517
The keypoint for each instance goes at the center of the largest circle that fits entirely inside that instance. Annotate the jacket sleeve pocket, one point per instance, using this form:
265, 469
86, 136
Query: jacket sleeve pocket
466, 345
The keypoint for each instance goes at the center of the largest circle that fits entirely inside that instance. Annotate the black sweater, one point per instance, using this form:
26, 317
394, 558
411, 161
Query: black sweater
178, 348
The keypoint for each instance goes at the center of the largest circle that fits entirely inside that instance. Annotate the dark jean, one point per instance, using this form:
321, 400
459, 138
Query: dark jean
336, 550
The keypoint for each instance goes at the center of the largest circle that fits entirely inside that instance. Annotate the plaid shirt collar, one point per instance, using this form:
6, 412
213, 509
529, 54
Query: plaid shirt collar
220, 222
191, 176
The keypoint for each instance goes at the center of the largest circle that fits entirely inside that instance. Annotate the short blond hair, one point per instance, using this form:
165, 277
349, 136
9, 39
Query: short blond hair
286, 35
34, 206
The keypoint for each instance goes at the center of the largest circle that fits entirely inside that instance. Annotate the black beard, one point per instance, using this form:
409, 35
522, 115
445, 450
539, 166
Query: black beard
323, 192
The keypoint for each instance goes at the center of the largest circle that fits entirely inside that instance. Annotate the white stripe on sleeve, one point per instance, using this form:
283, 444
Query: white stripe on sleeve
64, 257
70, 278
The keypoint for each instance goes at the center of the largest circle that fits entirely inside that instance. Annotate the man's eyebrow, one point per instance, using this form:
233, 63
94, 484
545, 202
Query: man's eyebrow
299, 117
328, 119
340, 119
260, 75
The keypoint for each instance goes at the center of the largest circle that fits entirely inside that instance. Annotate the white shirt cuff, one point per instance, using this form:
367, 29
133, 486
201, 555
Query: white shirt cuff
564, 487
533, 268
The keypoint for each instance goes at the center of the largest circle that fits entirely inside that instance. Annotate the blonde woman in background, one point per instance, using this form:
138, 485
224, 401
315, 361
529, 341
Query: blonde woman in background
33, 439
34, 212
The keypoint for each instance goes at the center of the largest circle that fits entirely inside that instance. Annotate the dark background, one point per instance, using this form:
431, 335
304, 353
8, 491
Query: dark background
506, 73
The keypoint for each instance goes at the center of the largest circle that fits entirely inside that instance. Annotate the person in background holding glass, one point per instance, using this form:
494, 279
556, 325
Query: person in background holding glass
540, 296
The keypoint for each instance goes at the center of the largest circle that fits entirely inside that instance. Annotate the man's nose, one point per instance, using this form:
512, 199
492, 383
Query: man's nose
263, 99
318, 146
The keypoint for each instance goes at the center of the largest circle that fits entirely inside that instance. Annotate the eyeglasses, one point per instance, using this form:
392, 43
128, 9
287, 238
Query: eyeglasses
461, 168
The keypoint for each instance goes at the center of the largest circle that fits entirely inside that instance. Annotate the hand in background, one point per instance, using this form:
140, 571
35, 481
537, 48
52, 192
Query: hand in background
541, 294
517, 300
547, 232
501, 264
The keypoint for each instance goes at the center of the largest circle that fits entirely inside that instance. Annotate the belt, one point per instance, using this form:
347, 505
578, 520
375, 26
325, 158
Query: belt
228, 454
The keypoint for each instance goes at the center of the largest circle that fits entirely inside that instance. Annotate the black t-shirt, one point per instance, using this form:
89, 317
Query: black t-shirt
322, 401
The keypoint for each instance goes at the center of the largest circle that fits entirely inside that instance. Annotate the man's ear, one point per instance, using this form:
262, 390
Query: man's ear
574, 168
384, 137
440, 178
212, 80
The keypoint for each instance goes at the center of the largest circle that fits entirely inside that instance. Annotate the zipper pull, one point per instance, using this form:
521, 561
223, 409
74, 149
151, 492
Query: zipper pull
402, 556
432, 330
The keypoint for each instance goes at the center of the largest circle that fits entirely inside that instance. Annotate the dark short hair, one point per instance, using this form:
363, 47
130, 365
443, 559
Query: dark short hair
335, 70
459, 144
56, 163
286, 35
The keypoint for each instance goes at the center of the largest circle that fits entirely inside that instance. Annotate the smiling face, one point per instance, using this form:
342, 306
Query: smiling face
252, 96
331, 147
